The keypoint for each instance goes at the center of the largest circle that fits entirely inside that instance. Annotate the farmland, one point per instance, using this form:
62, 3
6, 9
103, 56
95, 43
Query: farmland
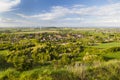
59, 53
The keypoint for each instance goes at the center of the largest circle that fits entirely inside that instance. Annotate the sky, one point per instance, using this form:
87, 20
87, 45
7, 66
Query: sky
60, 13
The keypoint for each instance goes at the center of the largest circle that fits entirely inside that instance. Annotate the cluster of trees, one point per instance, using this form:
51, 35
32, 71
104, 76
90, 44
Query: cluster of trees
28, 50
31, 50
24, 59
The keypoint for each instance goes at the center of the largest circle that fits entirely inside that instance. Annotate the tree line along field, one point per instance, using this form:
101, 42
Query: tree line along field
60, 54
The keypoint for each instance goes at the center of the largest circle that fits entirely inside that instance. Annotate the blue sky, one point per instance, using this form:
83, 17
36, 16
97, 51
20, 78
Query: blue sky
61, 13
37, 6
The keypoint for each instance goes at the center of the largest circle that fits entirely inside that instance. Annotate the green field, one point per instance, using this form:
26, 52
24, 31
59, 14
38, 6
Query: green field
108, 45
59, 54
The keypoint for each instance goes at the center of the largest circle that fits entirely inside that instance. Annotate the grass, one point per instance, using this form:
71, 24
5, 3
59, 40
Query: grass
40, 73
108, 45
102, 71
109, 56
37, 32
4, 52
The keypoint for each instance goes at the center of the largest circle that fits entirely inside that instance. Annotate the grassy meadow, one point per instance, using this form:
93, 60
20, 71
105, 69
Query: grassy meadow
59, 54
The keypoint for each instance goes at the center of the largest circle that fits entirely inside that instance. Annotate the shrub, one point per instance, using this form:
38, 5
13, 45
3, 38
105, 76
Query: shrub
3, 62
91, 57
21, 60
9, 74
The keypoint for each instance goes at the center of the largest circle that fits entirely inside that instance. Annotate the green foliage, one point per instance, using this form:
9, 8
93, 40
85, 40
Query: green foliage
3, 62
113, 49
4, 46
20, 46
111, 55
91, 57
9, 74
21, 60
47, 54
64, 60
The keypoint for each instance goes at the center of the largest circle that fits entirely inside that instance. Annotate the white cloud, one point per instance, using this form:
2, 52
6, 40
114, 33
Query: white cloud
6, 5
71, 19
76, 15
113, 1
95, 11
56, 12
22, 15
78, 5
6, 20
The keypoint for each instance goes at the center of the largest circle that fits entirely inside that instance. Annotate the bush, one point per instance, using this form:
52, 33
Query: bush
3, 62
21, 60
91, 57
9, 74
